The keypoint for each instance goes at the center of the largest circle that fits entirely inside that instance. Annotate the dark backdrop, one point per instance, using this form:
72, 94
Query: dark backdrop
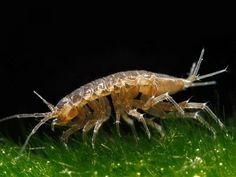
56, 51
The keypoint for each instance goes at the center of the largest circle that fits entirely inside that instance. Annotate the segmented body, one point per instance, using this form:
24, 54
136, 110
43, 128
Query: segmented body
88, 106
113, 84
93, 108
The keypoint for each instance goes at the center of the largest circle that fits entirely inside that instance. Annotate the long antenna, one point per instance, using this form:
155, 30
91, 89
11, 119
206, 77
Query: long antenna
46, 116
21, 116
42, 121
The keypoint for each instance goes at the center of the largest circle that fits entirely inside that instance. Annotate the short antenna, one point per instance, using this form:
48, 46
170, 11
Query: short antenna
50, 106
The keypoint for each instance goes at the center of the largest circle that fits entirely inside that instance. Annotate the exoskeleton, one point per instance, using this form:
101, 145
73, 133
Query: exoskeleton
132, 93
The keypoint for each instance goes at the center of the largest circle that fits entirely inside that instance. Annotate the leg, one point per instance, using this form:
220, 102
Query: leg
196, 116
139, 117
161, 110
203, 106
122, 100
84, 114
117, 109
190, 115
98, 124
130, 122
95, 116
157, 110
154, 100
153, 107
104, 115
153, 124
88, 126
65, 136
200, 119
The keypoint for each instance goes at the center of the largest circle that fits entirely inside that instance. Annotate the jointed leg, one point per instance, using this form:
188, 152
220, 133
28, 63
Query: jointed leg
102, 115
200, 119
94, 105
154, 100
139, 117
203, 106
65, 136
161, 109
84, 115
158, 109
153, 124
120, 102
117, 109
88, 126
130, 122
96, 128
194, 115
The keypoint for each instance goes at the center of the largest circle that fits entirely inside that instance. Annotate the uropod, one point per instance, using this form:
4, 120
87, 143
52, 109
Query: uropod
131, 93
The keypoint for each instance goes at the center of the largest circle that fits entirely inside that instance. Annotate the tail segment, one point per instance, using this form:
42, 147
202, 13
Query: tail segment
194, 76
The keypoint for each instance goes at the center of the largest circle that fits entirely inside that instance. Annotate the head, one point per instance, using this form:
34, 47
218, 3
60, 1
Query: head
61, 116
65, 112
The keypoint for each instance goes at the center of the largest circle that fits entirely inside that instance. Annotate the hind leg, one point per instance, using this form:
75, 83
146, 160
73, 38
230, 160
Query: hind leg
198, 118
204, 107
187, 115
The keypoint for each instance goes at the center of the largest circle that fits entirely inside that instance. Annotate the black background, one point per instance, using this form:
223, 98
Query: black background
56, 51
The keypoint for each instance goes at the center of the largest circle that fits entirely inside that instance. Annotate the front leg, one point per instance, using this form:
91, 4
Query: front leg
84, 114
66, 134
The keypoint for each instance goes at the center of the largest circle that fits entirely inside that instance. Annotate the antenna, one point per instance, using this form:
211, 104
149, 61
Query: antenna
50, 106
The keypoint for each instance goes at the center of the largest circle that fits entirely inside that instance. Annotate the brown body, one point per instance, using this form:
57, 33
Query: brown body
88, 107
129, 83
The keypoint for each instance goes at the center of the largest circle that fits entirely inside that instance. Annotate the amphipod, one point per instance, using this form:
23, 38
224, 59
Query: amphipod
131, 92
